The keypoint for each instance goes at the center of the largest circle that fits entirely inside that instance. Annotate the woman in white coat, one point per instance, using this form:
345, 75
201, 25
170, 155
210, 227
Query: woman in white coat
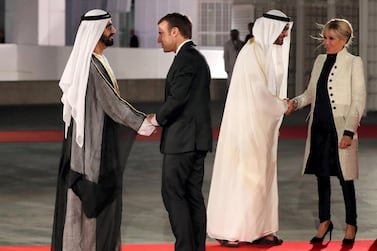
336, 92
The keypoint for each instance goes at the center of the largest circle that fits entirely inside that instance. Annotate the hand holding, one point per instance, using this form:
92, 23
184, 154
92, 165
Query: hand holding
149, 117
291, 107
146, 128
152, 119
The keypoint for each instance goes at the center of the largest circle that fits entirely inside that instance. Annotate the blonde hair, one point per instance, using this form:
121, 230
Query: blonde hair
341, 27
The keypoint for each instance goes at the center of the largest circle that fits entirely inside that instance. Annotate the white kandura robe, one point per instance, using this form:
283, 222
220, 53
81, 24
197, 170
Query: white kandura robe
243, 198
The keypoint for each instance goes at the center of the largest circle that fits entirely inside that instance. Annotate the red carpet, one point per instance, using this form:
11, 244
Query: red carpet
288, 132
360, 245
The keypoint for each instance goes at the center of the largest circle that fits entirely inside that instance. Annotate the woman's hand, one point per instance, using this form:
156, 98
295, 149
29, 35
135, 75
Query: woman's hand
345, 142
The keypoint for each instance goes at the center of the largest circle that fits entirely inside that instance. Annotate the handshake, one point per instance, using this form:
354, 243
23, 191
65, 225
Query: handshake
292, 106
148, 126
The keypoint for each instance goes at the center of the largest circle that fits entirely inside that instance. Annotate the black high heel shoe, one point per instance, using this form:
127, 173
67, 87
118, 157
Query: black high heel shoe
349, 242
316, 239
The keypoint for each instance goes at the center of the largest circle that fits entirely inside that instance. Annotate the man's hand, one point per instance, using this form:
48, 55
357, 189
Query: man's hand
291, 106
149, 117
152, 119
146, 128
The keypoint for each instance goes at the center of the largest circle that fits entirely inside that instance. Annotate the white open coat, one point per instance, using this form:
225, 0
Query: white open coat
346, 88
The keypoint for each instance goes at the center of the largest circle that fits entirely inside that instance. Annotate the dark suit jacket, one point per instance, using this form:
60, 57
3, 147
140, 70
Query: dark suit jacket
185, 115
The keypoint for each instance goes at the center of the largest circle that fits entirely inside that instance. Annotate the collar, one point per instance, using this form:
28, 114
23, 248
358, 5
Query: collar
342, 52
180, 46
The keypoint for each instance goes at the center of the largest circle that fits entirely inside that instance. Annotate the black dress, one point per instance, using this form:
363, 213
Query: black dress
323, 158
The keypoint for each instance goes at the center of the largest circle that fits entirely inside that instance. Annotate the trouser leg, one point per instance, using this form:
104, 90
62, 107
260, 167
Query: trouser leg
324, 197
349, 196
196, 202
182, 179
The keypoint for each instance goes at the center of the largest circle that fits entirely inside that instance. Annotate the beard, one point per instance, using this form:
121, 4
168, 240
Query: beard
279, 41
107, 40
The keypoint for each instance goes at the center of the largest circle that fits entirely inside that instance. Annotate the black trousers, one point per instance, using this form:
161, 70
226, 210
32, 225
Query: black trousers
182, 181
324, 199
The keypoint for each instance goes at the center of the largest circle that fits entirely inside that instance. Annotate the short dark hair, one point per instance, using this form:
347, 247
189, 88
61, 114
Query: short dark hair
180, 21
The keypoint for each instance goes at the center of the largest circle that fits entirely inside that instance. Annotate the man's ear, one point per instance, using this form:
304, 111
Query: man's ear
175, 31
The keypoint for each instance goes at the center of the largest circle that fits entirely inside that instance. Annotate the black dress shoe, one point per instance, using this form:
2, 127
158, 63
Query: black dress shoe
316, 239
349, 242
264, 241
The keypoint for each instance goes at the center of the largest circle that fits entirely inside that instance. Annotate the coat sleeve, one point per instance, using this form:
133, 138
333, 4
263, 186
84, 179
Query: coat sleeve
114, 106
358, 96
179, 85
307, 97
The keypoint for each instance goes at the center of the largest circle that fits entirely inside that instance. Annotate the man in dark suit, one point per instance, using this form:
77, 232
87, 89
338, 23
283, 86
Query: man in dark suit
186, 135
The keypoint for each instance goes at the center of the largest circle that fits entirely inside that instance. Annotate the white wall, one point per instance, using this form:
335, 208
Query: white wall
32, 62
8, 64
51, 22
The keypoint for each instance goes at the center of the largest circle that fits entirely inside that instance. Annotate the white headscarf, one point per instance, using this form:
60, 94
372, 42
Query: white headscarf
75, 76
266, 30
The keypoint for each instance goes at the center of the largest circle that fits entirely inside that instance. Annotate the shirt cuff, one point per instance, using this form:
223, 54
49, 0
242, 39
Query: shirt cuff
348, 133
154, 121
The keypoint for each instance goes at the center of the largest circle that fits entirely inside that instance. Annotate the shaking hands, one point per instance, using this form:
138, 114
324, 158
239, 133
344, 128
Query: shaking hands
292, 106
147, 127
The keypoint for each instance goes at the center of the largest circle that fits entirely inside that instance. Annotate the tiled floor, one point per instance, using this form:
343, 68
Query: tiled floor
28, 177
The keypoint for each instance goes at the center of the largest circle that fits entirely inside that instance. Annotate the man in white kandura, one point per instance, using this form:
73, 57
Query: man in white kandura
243, 198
